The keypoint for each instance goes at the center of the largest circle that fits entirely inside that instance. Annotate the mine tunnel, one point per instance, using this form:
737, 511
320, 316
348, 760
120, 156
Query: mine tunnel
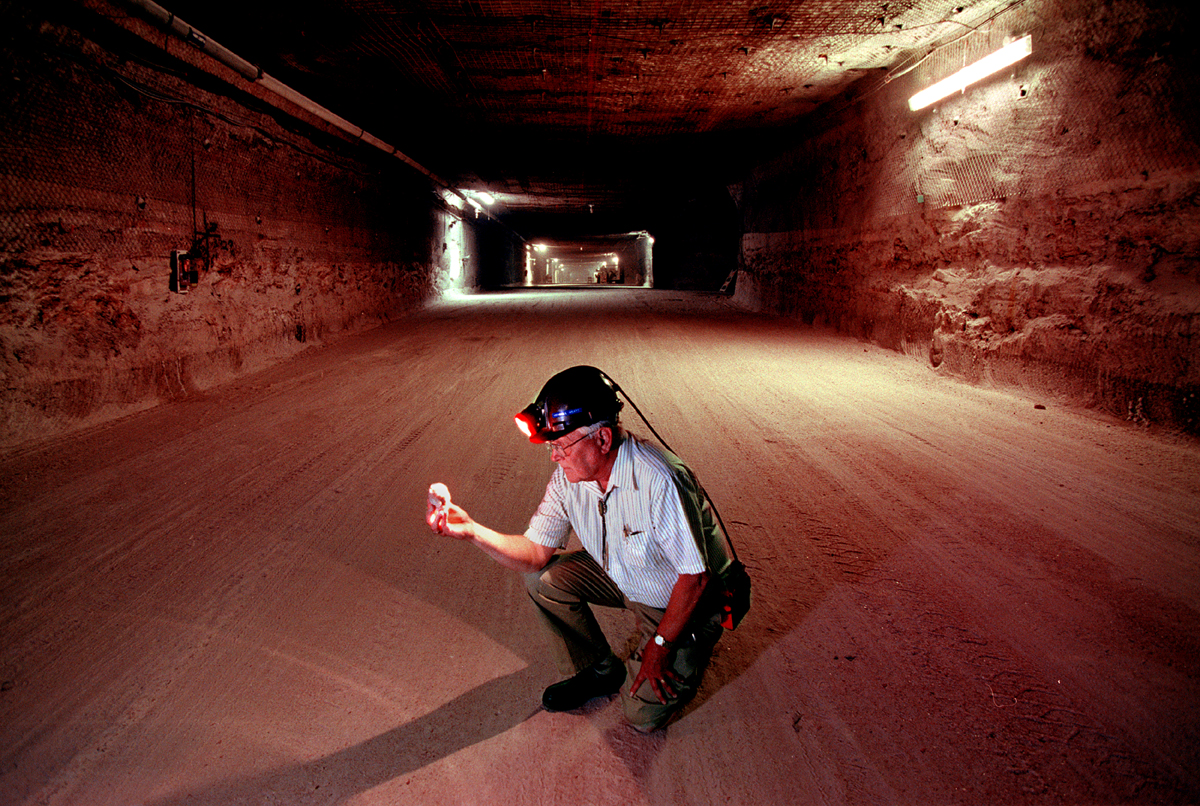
912, 288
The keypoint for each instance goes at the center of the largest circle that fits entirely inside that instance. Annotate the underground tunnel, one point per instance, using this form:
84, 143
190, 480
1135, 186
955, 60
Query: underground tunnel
270, 272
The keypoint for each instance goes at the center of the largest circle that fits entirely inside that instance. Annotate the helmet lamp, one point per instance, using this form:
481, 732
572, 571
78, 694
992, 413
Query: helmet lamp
574, 398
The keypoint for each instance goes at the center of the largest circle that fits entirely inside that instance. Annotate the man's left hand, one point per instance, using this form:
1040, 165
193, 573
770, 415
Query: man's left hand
657, 672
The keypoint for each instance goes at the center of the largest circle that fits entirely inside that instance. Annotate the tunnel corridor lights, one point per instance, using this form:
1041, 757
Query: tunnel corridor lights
1007, 55
479, 198
476, 199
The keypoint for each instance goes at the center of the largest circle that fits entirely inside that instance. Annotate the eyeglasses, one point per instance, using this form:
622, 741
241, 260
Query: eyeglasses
565, 450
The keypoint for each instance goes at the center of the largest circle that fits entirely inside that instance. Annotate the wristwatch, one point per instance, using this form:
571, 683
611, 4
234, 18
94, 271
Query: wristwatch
663, 642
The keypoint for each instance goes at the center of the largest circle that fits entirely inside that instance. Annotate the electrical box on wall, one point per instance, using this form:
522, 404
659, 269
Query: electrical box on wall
184, 271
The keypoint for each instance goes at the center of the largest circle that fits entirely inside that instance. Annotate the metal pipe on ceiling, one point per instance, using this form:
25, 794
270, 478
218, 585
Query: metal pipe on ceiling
254, 73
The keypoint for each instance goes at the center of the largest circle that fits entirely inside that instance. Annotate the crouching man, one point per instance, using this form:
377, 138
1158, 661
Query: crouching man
651, 545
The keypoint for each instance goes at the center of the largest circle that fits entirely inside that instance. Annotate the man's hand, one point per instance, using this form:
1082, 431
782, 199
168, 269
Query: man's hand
657, 672
685, 597
439, 499
446, 517
513, 551
453, 521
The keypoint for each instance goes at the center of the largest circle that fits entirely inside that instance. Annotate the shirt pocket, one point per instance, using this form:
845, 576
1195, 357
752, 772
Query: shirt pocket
639, 547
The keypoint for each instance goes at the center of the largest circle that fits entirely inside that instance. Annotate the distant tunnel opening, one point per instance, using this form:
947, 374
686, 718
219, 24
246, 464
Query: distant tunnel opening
625, 259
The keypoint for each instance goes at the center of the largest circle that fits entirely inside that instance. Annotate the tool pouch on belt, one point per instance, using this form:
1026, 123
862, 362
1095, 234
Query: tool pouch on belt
735, 595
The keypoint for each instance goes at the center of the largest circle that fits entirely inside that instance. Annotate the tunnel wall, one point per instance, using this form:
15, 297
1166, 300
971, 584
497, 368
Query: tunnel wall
1040, 230
116, 154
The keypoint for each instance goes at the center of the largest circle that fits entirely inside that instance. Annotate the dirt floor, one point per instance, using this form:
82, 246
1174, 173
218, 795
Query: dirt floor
963, 595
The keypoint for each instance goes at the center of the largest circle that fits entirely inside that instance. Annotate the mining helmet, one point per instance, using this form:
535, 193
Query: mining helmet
573, 398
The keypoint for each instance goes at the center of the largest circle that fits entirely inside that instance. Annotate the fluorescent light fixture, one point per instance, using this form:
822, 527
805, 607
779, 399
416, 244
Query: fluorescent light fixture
1009, 54
485, 197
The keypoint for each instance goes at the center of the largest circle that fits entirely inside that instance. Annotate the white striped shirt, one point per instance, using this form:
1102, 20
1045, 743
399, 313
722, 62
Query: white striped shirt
642, 539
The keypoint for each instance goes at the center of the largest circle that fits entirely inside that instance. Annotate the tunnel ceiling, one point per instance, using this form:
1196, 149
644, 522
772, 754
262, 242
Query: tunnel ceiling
574, 106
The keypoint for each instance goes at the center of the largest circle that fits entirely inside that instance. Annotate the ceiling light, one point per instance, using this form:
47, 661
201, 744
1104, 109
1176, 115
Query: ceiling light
1009, 54
485, 197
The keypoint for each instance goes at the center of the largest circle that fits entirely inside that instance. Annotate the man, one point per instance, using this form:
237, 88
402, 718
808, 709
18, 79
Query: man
650, 544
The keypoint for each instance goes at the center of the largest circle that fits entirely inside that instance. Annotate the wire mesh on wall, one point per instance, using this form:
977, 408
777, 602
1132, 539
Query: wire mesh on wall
87, 133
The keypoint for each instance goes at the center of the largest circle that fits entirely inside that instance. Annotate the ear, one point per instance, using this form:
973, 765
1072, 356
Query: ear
605, 439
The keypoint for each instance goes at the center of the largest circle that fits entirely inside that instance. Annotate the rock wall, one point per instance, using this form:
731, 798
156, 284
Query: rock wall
1040, 230
116, 155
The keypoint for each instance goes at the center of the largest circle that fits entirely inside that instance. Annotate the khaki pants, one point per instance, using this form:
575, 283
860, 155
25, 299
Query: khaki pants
564, 591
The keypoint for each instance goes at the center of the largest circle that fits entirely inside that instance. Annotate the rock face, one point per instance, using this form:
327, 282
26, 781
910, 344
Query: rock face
113, 166
1041, 229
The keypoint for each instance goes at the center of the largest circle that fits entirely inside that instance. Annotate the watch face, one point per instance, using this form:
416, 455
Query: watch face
658, 639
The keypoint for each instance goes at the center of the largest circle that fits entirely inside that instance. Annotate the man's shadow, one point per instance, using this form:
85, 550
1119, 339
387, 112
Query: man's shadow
475, 716
484, 712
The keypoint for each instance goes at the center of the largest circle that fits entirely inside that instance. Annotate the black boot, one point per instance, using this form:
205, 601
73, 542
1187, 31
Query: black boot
596, 680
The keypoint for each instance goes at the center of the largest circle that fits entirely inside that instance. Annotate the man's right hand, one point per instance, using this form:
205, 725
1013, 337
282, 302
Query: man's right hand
514, 551
443, 516
450, 520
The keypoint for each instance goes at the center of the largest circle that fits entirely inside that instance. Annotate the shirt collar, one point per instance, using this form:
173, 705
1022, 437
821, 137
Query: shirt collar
622, 472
